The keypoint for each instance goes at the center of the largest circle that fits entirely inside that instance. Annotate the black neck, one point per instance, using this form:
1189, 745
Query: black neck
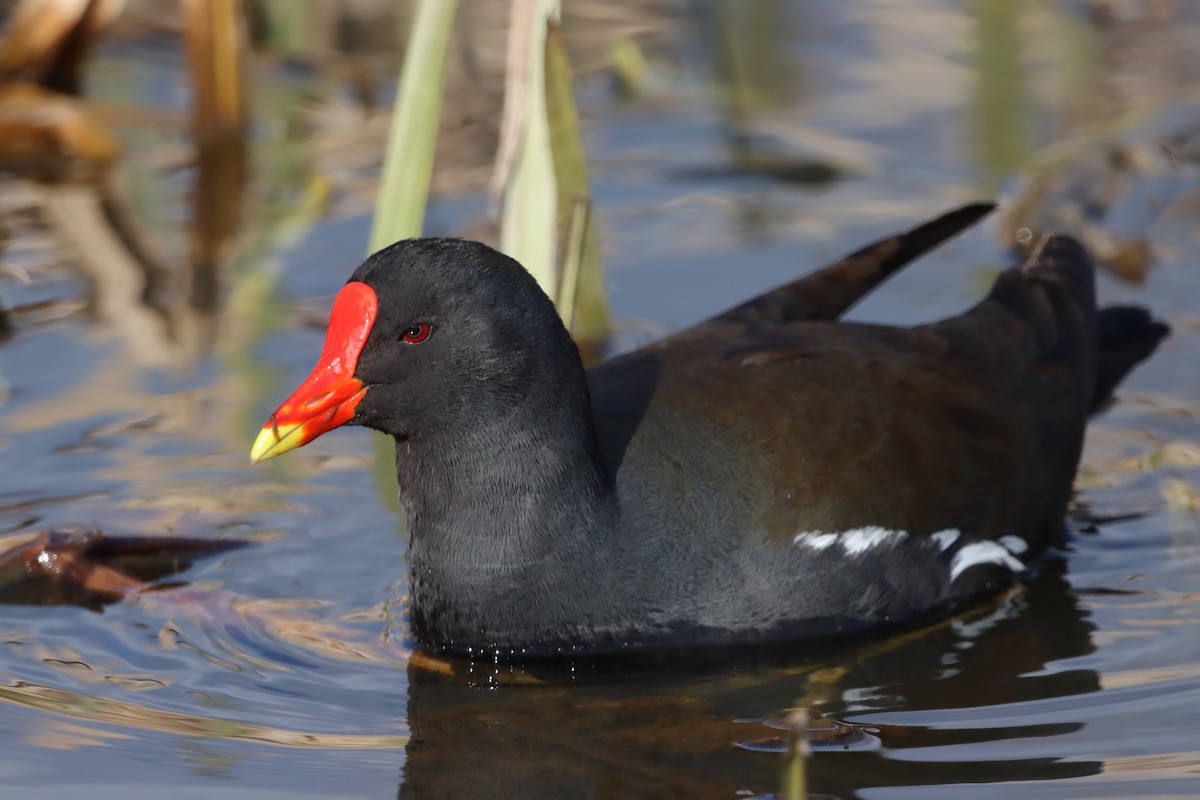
507, 522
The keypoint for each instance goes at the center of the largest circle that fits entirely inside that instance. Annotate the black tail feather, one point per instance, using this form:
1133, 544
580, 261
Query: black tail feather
1126, 335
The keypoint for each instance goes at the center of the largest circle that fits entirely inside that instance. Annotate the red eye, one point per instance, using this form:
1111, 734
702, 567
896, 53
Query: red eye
415, 334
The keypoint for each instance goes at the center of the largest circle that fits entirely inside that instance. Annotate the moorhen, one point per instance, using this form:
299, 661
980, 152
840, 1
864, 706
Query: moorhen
769, 473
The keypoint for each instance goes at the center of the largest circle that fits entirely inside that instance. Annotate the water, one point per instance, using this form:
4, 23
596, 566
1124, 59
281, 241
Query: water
281, 668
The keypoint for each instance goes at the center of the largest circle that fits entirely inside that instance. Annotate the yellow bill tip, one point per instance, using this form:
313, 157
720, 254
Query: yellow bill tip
274, 440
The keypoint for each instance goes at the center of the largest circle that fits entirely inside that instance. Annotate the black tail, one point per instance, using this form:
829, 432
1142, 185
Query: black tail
1126, 335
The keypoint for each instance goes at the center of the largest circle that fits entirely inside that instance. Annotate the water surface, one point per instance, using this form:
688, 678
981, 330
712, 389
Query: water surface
281, 668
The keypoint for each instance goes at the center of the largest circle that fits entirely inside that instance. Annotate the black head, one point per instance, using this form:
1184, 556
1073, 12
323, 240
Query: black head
431, 336
463, 333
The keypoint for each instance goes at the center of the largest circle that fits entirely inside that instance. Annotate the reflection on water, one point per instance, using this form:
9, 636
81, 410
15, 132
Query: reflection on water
645, 735
152, 333
108, 712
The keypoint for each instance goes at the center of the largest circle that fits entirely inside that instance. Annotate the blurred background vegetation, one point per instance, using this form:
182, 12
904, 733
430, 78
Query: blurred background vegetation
484, 103
509, 123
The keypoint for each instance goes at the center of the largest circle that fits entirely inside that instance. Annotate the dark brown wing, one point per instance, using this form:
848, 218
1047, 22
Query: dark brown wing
972, 423
622, 387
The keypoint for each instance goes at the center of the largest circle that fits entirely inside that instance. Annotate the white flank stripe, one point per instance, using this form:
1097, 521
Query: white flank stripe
860, 540
816, 540
855, 541
985, 552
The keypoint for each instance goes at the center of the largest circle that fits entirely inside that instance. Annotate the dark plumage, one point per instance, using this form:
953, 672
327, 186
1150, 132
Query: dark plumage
769, 473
